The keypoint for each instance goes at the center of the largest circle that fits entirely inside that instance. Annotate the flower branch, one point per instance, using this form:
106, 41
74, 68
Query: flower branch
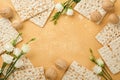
64, 8
100, 68
13, 59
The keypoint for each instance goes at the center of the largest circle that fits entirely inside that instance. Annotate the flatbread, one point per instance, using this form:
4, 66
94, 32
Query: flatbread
42, 18
77, 72
111, 58
86, 7
29, 74
7, 33
28, 8
108, 33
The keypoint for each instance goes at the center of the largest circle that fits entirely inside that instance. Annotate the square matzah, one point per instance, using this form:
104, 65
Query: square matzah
77, 72
109, 33
29, 74
28, 8
111, 58
42, 18
7, 33
86, 7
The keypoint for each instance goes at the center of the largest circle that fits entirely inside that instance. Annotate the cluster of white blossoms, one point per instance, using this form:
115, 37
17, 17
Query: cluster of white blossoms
8, 59
59, 7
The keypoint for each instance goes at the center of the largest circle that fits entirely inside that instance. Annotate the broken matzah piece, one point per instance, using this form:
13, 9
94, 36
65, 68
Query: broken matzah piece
77, 72
28, 8
7, 33
42, 18
111, 59
29, 74
86, 7
109, 33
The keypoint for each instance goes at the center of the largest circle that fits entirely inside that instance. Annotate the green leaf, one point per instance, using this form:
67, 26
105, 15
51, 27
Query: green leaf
76, 1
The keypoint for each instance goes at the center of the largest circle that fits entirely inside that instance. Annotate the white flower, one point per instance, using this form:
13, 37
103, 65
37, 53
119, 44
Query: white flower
100, 62
8, 47
17, 52
25, 48
7, 58
59, 7
19, 63
97, 69
70, 12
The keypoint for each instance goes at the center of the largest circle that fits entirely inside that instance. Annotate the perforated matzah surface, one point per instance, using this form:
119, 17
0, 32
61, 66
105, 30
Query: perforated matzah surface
111, 58
7, 33
28, 8
77, 72
86, 7
42, 18
29, 74
108, 33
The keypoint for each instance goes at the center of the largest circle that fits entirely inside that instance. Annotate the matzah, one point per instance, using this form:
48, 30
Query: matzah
28, 8
42, 18
26, 65
115, 45
109, 33
86, 7
111, 59
7, 33
29, 74
77, 72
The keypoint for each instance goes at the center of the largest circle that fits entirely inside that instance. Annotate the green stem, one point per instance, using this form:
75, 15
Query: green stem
104, 77
6, 77
11, 68
107, 73
3, 67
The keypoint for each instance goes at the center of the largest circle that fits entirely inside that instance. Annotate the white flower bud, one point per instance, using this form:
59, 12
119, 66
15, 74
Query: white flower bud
70, 12
97, 69
7, 58
8, 47
17, 52
59, 7
25, 48
100, 62
19, 63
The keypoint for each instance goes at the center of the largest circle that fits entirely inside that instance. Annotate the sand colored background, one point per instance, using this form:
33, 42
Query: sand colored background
70, 39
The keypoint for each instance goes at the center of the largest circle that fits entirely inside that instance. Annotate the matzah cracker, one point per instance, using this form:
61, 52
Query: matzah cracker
42, 18
109, 33
86, 7
111, 59
7, 33
27, 64
115, 45
28, 8
77, 72
29, 74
